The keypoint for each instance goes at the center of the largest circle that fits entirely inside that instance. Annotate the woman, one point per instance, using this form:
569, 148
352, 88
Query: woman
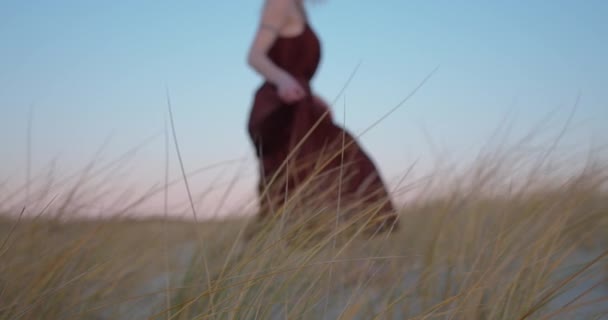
303, 155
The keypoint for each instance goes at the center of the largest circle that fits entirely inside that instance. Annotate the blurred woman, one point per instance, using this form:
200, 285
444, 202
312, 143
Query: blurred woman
304, 157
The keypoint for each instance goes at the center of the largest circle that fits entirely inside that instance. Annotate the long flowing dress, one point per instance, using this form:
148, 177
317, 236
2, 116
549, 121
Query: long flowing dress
303, 154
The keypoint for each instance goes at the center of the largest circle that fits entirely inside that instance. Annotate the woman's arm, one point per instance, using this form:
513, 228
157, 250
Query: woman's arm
274, 17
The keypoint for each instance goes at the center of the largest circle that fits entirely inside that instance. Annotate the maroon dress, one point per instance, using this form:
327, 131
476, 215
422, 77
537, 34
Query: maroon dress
303, 154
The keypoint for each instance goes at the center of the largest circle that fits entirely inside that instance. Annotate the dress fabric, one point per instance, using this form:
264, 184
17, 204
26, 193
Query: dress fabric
325, 165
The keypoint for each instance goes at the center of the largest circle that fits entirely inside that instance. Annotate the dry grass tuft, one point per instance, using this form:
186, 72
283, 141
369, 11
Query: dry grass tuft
474, 250
516, 235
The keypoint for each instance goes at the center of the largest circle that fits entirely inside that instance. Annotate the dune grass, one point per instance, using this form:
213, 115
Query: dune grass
513, 235
471, 246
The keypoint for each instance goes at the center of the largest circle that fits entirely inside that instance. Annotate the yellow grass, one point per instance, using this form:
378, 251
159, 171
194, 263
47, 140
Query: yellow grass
515, 235
474, 251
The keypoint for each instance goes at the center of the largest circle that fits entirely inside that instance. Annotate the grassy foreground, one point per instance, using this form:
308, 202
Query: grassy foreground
469, 247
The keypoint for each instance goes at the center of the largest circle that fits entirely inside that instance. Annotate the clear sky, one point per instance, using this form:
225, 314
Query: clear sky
97, 70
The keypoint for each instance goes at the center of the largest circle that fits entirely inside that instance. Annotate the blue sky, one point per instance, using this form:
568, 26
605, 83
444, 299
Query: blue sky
93, 70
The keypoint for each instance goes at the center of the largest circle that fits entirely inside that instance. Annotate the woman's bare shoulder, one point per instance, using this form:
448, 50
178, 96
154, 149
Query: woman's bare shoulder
277, 13
278, 5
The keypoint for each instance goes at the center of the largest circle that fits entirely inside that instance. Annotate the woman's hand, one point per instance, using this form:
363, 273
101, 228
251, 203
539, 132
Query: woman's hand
289, 89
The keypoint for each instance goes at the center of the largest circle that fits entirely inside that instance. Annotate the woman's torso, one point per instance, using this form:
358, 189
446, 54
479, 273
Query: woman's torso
299, 54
